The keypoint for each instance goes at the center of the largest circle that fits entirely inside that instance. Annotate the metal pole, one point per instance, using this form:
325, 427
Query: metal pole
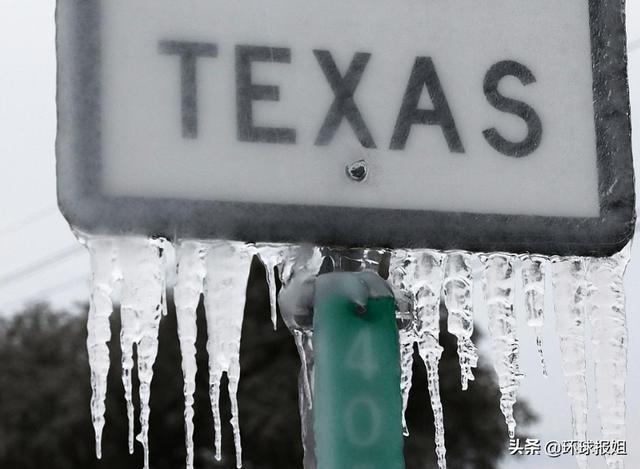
357, 403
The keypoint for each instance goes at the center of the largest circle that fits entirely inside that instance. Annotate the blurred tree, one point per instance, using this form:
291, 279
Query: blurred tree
45, 392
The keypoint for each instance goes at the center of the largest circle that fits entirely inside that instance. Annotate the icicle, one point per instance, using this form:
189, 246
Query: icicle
458, 297
304, 344
129, 335
189, 287
533, 278
570, 293
300, 265
406, 376
303, 340
407, 325
428, 313
103, 279
407, 329
606, 310
143, 273
499, 283
130, 329
227, 265
142, 294
272, 256
420, 274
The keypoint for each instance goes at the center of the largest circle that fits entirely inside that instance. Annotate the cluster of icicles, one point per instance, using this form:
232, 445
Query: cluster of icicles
584, 289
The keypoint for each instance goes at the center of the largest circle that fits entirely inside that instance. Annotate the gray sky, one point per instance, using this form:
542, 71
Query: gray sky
38, 251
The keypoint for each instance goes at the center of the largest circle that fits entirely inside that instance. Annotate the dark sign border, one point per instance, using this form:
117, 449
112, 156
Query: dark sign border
87, 209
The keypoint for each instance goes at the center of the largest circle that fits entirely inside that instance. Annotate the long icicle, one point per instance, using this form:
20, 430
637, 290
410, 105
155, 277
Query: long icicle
227, 265
606, 312
188, 289
129, 335
143, 273
458, 297
406, 377
499, 291
428, 313
407, 326
420, 273
300, 264
533, 278
303, 339
103, 279
570, 293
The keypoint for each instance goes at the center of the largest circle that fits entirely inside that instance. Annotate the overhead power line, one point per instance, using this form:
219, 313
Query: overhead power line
60, 287
32, 269
46, 293
26, 221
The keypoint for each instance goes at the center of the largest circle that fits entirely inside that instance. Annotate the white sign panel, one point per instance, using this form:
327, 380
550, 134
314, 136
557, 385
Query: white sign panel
457, 124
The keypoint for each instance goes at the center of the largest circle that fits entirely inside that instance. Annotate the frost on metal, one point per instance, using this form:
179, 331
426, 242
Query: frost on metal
499, 292
419, 274
585, 290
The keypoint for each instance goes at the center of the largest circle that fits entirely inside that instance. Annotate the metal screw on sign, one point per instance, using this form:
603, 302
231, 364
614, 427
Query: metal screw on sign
357, 171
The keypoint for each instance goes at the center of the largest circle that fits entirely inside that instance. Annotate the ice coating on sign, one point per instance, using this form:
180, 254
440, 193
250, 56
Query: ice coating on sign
458, 297
533, 278
225, 286
499, 291
143, 273
420, 274
585, 289
606, 312
187, 291
355, 259
103, 280
570, 296
272, 257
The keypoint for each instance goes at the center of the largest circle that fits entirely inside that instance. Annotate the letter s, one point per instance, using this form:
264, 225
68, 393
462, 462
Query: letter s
534, 136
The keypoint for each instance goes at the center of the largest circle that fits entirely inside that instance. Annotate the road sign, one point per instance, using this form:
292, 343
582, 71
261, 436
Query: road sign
496, 125
357, 406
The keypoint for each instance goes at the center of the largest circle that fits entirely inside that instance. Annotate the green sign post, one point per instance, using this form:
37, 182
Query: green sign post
357, 404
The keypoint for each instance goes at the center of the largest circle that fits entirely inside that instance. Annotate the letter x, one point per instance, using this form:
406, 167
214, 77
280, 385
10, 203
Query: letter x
343, 105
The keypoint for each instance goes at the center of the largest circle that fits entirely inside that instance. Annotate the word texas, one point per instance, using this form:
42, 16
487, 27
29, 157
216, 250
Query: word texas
423, 78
